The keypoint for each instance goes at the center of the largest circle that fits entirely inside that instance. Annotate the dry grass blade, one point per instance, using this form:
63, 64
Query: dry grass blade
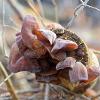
71, 93
9, 76
3, 15
16, 24
8, 82
41, 8
56, 10
46, 97
11, 27
30, 2
16, 8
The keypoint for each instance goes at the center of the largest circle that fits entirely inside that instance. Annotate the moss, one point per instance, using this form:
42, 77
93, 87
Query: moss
80, 56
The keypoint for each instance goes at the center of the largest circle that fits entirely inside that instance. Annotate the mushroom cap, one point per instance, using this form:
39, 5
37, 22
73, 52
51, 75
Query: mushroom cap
82, 54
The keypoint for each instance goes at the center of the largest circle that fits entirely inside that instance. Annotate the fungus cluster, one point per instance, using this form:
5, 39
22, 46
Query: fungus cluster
54, 54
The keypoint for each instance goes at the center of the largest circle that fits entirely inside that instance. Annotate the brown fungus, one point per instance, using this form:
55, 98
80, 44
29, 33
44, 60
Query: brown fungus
56, 56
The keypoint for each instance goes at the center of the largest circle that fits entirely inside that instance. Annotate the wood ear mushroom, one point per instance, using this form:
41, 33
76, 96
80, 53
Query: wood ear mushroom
56, 56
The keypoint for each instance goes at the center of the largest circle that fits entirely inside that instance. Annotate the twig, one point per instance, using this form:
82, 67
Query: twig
70, 22
81, 1
77, 11
46, 97
8, 82
93, 8
56, 10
